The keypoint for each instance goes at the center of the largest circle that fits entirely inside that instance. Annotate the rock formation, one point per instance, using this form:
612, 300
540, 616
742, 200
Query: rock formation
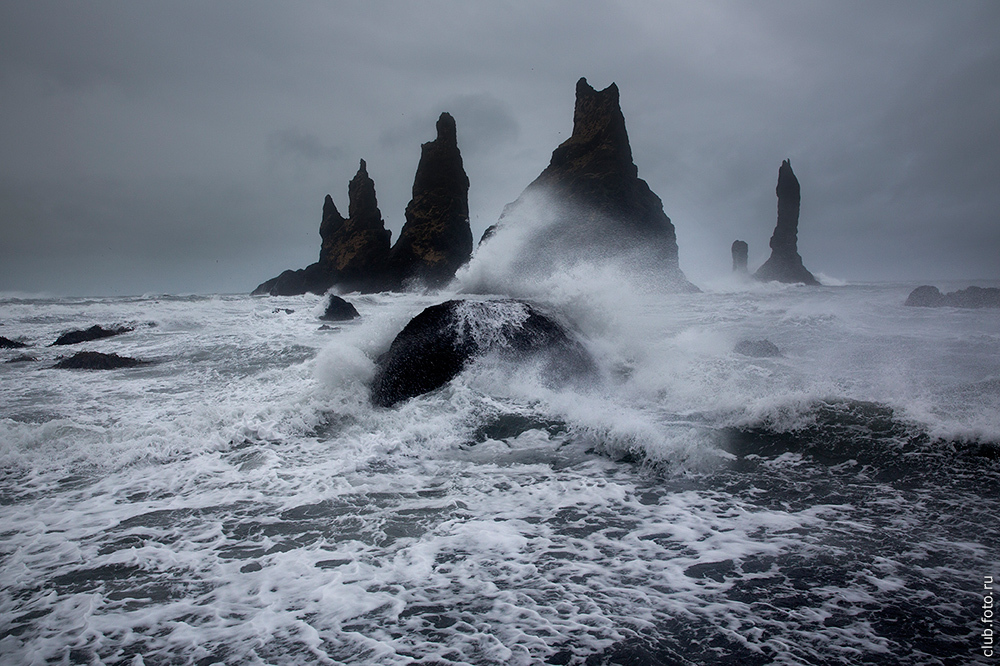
10, 344
95, 332
589, 202
439, 342
740, 253
436, 238
337, 309
785, 264
353, 252
88, 360
972, 297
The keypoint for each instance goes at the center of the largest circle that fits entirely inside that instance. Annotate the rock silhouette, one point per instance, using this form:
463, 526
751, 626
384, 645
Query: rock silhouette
972, 297
95, 332
436, 238
355, 253
785, 264
88, 360
6, 343
591, 200
740, 253
337, 309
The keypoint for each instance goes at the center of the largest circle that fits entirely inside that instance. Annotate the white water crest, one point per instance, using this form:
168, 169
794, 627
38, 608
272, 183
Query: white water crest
239, 500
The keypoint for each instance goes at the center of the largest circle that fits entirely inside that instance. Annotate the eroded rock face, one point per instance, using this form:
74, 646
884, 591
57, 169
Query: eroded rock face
740, 253
354, 250
590, 199
972, 297
785, 264
436, 238
437, 344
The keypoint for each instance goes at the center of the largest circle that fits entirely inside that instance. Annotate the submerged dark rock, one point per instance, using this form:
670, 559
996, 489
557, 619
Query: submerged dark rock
785, 264
757, 348
437, 344
590, 203
972, 297
436, 238
88, 360
6, 343
95, 332
23, 358
337, 309
740, 253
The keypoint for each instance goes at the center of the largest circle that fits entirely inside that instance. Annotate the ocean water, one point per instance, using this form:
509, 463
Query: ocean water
239, 501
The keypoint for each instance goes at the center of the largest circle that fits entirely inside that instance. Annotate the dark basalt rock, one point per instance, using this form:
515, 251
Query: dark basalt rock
87, 360
972, 297
436, 238
337, 309
591, 198
757, 348
6, 343
95, 332
740, 253
438, 343
354, 250
785, 264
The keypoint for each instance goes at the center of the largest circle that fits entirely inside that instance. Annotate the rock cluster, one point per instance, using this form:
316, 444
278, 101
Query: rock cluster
972, 297
785, 264
435, 240
593, 201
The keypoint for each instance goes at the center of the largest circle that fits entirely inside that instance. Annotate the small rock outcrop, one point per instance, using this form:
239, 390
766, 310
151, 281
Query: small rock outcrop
436, 238
95, 332
23, 358
589, 202
785, 264
757, 348
927, 296
337, 309
740, 253
6, 343
88, 360
437, 344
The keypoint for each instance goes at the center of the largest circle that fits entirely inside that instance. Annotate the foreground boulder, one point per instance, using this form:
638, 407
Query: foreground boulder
95, 332
439, 342
6, 343
785, 264
337, 309
436, 238
588, 204
927, 296
88, 360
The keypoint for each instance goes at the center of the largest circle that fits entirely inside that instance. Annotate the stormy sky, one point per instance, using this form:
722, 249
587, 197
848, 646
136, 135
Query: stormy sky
177, 147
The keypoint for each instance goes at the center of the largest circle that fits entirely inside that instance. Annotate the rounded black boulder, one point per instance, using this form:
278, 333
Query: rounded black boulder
438, 343
337, 309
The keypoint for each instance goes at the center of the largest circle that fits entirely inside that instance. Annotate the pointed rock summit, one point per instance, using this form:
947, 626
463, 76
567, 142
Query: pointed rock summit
436, 238
589, 203
785, 264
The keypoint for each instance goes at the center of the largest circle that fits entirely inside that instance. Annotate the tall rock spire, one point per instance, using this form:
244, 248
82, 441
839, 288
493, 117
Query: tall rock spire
436, 238
785, 264
589, 203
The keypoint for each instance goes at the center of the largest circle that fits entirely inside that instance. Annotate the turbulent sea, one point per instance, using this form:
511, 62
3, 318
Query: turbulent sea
239, 501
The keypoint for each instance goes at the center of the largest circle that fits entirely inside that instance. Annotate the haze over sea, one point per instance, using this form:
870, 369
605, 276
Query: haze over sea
240, 501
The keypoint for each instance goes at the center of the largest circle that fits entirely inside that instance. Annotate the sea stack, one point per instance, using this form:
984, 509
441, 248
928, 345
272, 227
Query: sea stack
589, 204
785, 264
740, 253
436, 238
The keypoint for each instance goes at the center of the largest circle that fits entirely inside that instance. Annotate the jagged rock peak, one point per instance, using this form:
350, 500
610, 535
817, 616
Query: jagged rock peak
436, 238
785, 264
331, 222
361, 192
598, 128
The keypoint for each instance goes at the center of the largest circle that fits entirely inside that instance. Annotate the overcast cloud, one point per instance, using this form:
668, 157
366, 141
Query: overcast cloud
188, 146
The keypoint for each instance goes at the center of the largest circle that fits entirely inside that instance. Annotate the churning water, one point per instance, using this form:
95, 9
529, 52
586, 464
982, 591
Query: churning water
239, 501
